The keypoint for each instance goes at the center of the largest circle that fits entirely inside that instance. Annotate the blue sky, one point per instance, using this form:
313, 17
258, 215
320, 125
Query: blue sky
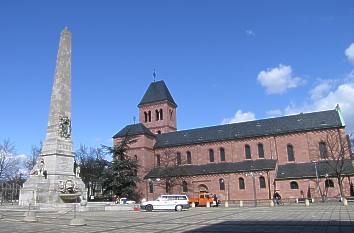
223, 61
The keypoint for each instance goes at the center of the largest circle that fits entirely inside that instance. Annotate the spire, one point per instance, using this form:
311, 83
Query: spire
156, 92
59, 120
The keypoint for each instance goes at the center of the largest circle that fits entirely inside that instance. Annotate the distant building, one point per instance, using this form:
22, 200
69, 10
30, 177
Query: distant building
240, 161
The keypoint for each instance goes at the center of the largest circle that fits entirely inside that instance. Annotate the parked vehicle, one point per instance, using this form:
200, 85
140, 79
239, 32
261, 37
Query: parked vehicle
167, 202
202, 200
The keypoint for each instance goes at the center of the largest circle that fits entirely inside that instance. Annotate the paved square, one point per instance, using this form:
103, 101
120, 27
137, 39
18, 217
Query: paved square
326, 218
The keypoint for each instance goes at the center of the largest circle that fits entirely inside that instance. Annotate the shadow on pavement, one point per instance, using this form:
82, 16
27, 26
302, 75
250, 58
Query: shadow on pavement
279, 227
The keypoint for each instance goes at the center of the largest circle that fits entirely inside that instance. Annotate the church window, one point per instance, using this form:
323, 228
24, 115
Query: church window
136, 157
158, 160
329, 184
151, 187
222, 184
171, 113
260, 150
149, 116
294, 185
323, 150
179, 159
184, 187
262, 183
222, 154
145, 117
241, 183
159, 132
211, 155
248, 151
157, 117
290, 149
161, 114
189, 157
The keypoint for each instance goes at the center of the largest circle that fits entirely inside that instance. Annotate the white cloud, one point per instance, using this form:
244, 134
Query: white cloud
342, 94
250, 33
349, 52
239, 117
321, 89
279, 79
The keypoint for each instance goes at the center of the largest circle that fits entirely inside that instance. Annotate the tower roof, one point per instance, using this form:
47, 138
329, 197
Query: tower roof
157, 92
132, 130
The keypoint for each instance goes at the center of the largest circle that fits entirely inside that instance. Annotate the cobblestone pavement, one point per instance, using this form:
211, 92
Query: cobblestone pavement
285, 219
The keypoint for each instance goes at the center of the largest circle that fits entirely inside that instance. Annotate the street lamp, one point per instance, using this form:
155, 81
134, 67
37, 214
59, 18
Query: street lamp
318, 181
253, 175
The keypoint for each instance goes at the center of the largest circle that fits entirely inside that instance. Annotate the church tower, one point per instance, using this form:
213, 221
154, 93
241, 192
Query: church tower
157, 109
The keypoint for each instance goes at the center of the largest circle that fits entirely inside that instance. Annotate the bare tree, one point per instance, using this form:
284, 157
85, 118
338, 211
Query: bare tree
32, 158
169, 169
338, 157
9, 163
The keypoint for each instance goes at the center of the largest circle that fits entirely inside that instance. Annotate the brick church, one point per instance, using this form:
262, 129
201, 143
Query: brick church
240, 161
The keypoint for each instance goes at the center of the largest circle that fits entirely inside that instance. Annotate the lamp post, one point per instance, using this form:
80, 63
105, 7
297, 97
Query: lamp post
253, 175
318, 181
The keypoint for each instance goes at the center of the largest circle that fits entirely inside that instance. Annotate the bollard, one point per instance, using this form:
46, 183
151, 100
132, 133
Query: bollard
297, 200
226, 204
241, 203
208, 204
312, 200
77, 221
271, 203
345, 202
30, 217
193, 204
307, 202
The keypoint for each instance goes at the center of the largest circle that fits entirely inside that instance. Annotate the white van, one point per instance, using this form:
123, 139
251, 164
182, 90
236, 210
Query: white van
167, 202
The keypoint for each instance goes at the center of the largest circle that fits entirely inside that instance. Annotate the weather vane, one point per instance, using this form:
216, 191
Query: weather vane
154, 74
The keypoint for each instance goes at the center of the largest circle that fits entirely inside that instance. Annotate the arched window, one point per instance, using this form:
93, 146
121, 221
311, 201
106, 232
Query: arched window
161, 114
158, 160
159, 132
248, 151
157, 117
184, 187
222, 184
291, 156
149, 116
178, 158
145, 116
211, 155
260, 150
262, 183
294, 185
241, 183
329, 184
222, 154
323, 150
189, 157
151, 187
136, 157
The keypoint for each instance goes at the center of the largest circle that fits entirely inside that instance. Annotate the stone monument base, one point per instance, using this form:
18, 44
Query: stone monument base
38, 190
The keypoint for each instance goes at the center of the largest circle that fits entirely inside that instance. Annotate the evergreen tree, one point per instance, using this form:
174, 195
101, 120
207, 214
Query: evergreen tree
121, 176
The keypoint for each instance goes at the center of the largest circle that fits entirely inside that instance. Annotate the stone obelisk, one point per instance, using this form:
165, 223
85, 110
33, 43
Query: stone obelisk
53, 179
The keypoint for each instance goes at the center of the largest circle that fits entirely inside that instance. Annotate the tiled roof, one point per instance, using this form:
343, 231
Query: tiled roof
307, 170
213, 168
271, 126
135, 129
156, 92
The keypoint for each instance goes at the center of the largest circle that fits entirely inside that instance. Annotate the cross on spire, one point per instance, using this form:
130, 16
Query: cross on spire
154, 75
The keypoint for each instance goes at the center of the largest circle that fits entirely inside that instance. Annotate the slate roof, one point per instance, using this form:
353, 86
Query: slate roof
157, 91
134, 129
271, 126
307, 170
213, 168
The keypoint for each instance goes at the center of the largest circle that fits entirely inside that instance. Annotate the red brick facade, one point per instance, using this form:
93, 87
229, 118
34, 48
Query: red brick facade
262, 184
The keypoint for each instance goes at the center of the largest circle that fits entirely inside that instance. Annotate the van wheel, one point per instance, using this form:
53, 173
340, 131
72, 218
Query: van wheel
179, 208
149, 208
